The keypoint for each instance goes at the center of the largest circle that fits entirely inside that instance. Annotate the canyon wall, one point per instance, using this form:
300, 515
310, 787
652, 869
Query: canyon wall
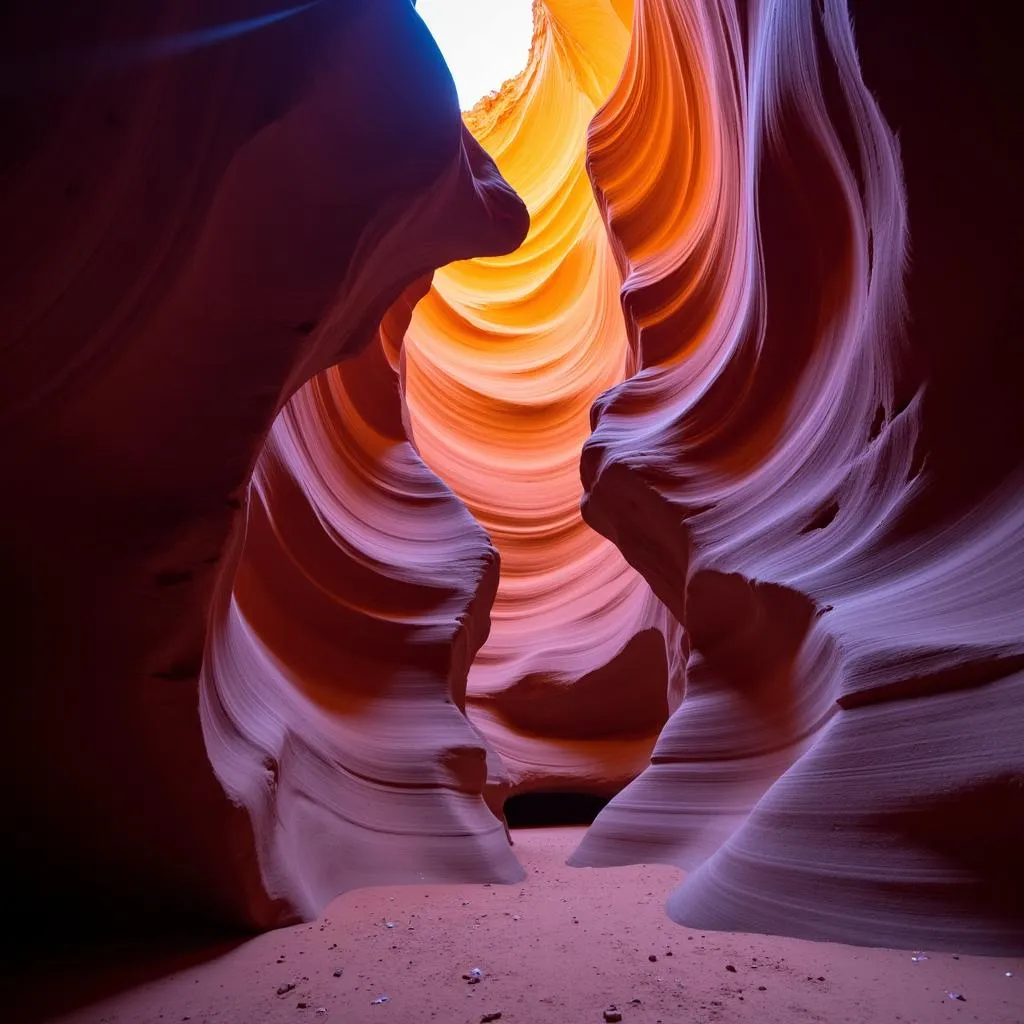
204, 206
504, 359
300, 586
845, 763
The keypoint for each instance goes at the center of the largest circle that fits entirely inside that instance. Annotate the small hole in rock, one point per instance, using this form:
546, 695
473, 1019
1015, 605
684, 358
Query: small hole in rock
823, 517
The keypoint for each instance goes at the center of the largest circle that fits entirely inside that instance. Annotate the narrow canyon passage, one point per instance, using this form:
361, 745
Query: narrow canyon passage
684, 546
504, 358
644, 436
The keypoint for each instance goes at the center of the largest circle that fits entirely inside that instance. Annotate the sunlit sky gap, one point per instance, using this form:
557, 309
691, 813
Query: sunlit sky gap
484, 42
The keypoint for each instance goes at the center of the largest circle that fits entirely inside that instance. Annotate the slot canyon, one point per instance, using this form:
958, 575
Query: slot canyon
643, 442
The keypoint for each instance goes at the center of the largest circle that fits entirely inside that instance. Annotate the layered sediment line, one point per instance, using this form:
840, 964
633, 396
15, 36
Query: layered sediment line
767, 471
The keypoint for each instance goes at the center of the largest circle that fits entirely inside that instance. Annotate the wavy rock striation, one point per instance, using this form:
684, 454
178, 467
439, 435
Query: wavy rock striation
203, 208
504, 358
335, 675
260, 653
842, 765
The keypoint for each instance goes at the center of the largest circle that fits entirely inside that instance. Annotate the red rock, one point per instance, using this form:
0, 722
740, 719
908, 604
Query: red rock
245, 611
766, 472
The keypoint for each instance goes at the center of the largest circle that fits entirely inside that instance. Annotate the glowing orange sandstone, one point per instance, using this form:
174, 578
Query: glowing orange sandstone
504, 359
226, 551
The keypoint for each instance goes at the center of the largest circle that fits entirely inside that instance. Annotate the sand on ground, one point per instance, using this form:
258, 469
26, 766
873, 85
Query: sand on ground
559, 948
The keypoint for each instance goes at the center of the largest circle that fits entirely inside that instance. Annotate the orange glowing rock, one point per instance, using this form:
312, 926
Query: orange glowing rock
504, 359
319, 551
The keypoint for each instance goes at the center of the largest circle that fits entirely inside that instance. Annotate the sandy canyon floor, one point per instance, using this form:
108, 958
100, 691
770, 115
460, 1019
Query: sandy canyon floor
560, 948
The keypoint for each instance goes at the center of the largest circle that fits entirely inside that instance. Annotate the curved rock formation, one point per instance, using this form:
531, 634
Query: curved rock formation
335, 675
504, 359
200, 218
260, 653
767, 472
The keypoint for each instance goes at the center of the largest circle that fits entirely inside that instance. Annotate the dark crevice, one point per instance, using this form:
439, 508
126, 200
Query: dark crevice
965, 676
823, 517
546, 810
877, 423
902, 405
918, 458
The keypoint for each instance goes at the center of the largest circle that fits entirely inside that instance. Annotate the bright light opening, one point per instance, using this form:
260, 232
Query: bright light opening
484, 42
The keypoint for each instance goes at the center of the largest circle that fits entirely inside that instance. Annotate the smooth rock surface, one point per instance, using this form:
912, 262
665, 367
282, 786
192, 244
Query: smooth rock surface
346, 492
854, 629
